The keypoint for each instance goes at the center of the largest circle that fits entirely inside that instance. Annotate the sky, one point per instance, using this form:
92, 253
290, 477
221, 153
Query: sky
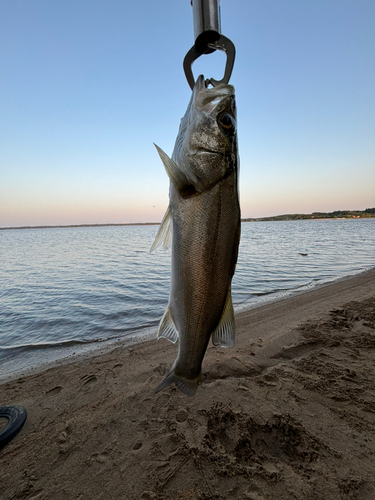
87, 87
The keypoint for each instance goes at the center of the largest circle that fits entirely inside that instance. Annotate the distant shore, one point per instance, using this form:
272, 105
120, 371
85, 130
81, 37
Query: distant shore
84, 225
337, 214
369, 213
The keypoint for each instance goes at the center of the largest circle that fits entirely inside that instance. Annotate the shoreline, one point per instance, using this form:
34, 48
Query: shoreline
288, 412
61, 355
247, 219
83, 225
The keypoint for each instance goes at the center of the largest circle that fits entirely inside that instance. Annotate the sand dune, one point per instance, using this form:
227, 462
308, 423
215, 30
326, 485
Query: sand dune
289, 413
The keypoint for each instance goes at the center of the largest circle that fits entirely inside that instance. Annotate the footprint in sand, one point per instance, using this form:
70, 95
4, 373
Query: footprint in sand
161, 369
162, 400
88, 380
137, 445
181, 415
54, 391
101, 458
232, 367
113, 373
38, 495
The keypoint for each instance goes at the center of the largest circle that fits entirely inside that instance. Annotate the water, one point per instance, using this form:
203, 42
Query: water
65, 290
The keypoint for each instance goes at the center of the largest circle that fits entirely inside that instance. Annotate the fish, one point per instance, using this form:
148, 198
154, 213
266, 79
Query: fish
202, 225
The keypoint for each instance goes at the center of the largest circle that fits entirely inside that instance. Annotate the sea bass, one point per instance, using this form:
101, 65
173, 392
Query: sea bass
203, 224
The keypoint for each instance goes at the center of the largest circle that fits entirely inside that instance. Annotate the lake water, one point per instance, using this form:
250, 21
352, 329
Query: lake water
66, 290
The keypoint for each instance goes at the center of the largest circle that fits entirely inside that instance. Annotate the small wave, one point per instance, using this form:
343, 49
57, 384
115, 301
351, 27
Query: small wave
45, 345
277, 295
270, 292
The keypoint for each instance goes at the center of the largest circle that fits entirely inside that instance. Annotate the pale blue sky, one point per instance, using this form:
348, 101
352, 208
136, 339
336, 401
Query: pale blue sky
87, 86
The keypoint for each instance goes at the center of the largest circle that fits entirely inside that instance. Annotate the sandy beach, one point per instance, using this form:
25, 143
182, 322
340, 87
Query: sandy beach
288, 413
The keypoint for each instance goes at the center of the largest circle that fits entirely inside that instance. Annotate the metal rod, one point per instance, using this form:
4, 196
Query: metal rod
206, 18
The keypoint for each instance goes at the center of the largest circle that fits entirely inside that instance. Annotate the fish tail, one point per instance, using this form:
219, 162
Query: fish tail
188, 387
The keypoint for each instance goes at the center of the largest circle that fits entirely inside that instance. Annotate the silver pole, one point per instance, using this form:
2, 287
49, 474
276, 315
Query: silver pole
206, 17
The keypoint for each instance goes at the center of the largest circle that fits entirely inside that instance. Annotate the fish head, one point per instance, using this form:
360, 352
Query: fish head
206, 145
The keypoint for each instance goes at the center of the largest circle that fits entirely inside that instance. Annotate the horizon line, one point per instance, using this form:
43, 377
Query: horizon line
246, 219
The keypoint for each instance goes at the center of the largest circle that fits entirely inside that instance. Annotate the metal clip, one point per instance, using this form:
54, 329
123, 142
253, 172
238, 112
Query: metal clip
206, 15
224, 44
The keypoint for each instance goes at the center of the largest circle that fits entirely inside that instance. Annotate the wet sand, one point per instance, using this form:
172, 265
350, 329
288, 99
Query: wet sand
288, 413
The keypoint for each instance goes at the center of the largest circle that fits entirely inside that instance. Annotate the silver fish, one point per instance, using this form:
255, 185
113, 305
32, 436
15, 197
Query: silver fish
203, 223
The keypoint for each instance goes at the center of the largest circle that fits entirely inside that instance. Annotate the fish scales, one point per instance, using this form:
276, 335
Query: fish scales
204, 219
201, 278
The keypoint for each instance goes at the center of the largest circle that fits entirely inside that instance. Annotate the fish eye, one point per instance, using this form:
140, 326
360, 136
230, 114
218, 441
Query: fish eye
226, 122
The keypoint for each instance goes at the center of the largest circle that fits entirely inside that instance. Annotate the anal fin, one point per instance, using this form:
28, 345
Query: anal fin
224, 335
167, 328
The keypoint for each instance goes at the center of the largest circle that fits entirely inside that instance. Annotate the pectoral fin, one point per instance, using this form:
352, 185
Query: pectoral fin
164, 234
176, 175
224, 335
167, 328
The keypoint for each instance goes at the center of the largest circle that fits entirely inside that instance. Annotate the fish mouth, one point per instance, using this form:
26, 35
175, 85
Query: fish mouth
203, 84
201, 149
211, 96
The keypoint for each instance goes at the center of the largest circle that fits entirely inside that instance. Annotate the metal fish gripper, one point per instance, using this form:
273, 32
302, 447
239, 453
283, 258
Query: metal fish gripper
208, 38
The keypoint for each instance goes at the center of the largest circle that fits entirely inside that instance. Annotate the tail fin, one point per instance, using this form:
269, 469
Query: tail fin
188, 387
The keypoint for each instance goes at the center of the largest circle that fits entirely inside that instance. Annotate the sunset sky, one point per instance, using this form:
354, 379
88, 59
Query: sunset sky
87, 86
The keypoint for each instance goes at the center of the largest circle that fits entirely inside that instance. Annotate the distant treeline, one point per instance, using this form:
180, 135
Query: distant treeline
337, 214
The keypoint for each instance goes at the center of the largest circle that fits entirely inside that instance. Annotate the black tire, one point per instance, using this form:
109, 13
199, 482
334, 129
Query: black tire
17, 417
